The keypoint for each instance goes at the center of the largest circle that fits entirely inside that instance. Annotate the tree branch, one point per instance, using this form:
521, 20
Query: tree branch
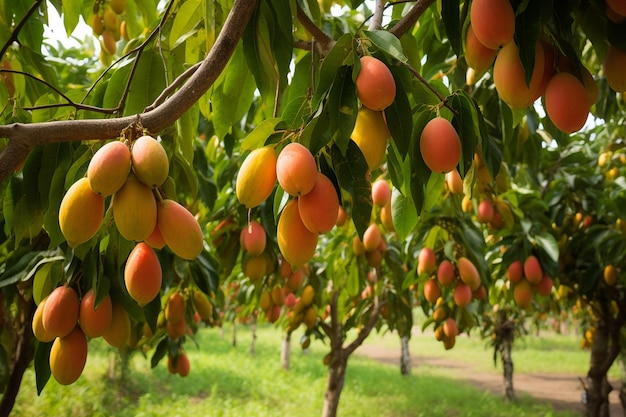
411, 17
16, 32
25, 137
324, 41
377, 19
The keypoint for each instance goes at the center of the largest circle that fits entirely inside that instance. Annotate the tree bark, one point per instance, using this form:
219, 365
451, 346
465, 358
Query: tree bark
24, 355
285, 352
622, 391
405, 356
335, 382
234, 334
506, 354
597, 387
253, 342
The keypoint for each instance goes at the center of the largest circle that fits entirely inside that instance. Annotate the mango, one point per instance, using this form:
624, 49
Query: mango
296, 169
175, 307
80, 213
95, 319
109, 167
68, 356
371, 135
256, 177
38, 330
296, 243
203, 305
319, 207
142, 274
134, 210
118, 332
60, 314
150, 161
180, 229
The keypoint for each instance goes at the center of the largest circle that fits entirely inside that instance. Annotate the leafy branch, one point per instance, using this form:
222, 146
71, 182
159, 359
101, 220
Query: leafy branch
25, 137
16, 31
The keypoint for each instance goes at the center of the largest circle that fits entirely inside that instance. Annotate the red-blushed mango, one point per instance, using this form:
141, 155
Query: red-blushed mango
446, 273
550, 65
371, 135
253, 238
80, 213
386, 217
509, 76
156, 238
450, 327
374, 257
431, 290
532, 269
68, 356
618, 6
485, 211
37, 325
454, 182
515, 271
477, 55
203, 305
175, 307
118, 332
375, 85
109, 167
342, 217
567, 102
256, 177
95, 319
381, 192
60, 314
296, 243
468, 272
372, 237
182, 365
615, 69
175, 329
544, 287
318, 208
142, 274
462, 294
134, 210
296, 169
277, 295
180, 229
150, 162
440, 145
295, 280
426, 261
493, 22
480, 293
523, 293
357, 246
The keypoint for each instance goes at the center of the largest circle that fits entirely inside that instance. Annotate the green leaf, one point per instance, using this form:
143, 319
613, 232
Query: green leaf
351, 170
465, 121
259, 135
387, 42
187, 17
450, 13
527, 30
399, 116
187, 130
71, 14
42, 365
404, 215
337, 57
342, 107
159, 353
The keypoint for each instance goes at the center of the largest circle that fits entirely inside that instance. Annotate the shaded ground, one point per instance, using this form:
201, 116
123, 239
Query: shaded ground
562, 391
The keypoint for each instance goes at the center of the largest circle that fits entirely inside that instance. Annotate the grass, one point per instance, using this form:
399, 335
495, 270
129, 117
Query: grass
228, 381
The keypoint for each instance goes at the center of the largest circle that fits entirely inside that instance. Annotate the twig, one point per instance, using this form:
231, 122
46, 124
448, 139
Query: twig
423, 80
411, 17
15, 33
377, 19
173, 86
324, 41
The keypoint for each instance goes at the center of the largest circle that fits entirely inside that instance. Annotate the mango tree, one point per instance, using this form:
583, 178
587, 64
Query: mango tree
206, 125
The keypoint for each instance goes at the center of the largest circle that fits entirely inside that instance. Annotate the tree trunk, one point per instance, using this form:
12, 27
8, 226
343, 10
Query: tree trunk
253, 342
405, 356
335, 381
234, 334
285, 351
596, 385
24, 355
622, 391
506, 354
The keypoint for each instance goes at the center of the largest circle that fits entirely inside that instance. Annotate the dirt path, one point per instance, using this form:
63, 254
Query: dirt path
562, 391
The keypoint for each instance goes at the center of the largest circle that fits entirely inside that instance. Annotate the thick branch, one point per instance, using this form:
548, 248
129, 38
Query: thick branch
25, 137
324, 41
411, 17
377, 20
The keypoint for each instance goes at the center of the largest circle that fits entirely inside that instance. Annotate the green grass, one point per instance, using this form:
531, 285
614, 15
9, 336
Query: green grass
228, 381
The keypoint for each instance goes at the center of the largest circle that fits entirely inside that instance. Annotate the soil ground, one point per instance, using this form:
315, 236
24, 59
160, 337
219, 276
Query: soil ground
563, 391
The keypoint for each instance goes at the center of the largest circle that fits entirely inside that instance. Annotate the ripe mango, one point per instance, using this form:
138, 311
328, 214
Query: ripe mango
150, 162
95, 319
179, 229
61, 311
80, 213
119, 331
203, 305
38, 330
142, 274
256, 177
296, 243
68, 356
371, 135
134, 210
175, 307
109, 167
